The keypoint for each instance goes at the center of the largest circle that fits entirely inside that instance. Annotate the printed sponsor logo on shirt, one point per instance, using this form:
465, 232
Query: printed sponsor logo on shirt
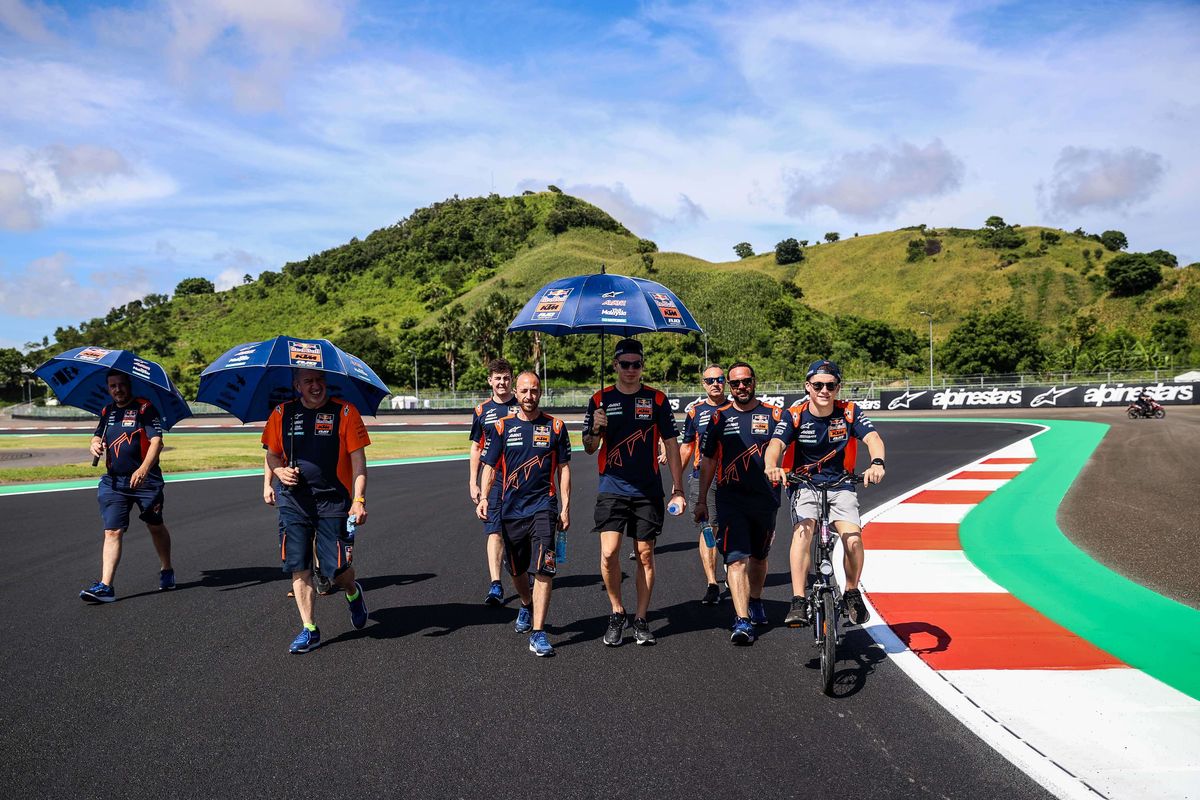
92, 354
305, 354
837, 430
642, 408
614, 409
515, 439
324, 424
541, 435
760, 424
731, 426
130, 418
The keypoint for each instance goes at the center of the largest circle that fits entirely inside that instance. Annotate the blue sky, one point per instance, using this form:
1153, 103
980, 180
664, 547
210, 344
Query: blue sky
148, 142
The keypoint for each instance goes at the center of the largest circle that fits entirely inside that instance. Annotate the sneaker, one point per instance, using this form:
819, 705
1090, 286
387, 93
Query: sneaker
323, 585
616, 627
856, 609
798, 614
641, 632
495, 595
166, 580
758, 613
632, 555
306, 640
743, 632
98, 593
712, 595
539, 644
524, 623
358, 608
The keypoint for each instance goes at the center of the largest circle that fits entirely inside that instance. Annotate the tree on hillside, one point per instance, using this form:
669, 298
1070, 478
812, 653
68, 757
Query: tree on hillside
878, 340
1164, 258
743, 250
995, 223
189, 286
1171, 334
365, 342
1050, 237
1114, 241
1132, 273
832, 236
485, 328
788, 252
11, 368
451, 332
1003, 341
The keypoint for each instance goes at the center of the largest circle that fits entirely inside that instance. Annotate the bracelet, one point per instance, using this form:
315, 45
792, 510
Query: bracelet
360, 499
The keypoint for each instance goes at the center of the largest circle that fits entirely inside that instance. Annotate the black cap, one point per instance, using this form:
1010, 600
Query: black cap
627, 347
827, 367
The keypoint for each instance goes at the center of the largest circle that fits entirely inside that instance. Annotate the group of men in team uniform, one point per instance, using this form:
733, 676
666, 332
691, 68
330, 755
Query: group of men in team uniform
738, 451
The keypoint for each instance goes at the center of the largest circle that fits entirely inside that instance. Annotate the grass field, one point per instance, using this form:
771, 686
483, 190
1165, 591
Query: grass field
215, 451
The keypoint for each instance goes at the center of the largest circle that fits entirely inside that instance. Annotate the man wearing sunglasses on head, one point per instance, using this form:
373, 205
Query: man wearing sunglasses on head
695, 421
825, 432
625, 422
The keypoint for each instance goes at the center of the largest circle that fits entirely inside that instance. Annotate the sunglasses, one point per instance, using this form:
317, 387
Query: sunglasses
630, 364
711, 381
741, 382
818, 385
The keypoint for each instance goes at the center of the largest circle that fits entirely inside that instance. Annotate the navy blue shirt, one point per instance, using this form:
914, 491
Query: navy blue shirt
319, 441
828, 446
127, 433
487, 414
694, 422
736, 441
628, 456
526, 457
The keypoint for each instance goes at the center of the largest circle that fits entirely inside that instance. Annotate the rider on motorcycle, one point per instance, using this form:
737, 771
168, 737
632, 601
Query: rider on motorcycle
1144, 403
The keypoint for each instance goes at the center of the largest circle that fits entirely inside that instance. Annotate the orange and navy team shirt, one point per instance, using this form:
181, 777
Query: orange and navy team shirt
628, 456
736, 441
828, 446
319, 441
487, 414
127, 432
695, 421
526, 457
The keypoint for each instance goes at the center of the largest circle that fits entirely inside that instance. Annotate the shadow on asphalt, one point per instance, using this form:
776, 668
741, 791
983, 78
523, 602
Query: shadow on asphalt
382, 581
858, 649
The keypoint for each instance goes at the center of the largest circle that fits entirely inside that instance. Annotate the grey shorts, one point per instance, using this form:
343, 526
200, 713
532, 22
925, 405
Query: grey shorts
843, 506
693, 497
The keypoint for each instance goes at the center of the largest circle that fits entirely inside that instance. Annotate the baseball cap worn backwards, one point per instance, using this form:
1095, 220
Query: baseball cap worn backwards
629, 347
827, 367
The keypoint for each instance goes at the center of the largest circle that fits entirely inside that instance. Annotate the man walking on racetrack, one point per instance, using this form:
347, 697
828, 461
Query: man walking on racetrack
695, 422
501, 404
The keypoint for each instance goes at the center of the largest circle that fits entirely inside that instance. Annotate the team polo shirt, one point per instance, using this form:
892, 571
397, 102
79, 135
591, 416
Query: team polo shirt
736, 441
695, 420
319, 441
628, 456
487, 414
127, 433
526, 457
830, 443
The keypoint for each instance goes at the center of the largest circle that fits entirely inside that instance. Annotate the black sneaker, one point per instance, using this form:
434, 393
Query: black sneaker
856, 609
798, 614
616, 627
632, 555
641, 632
712, 595
323, 585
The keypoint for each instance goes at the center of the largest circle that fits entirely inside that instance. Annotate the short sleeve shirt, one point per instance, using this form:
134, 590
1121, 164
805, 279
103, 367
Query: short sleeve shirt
827, 445
736, 441
487, 414
127, 433
628, 456
695, 420
319, 441
526, 457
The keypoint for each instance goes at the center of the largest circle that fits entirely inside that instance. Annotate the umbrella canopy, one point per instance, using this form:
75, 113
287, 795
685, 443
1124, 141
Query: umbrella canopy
249, 380
79, 378
605, 303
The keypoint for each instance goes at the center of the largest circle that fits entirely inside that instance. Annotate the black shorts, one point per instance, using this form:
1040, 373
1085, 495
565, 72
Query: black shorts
529, 541
747, 529
639, 517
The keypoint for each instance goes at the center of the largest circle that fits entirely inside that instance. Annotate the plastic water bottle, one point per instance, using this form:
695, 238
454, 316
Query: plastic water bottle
674, 508
560, 546
707, 532
351, 527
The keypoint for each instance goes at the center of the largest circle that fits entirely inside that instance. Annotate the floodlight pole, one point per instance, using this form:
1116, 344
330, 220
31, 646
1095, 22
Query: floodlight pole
930, 316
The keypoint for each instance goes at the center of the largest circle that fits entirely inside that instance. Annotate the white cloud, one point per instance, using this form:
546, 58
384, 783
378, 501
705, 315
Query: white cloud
27, 293
1089, 179
240, 263
876, 183
19, 211
25, 20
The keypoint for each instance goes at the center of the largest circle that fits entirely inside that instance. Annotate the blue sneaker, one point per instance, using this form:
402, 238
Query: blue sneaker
495, 595
539, 645
358, 608
758, 614
166, 580
524, 623
743, 632
98, 593
306, 640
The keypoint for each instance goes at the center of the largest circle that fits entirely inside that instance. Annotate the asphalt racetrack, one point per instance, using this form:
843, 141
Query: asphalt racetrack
192, 693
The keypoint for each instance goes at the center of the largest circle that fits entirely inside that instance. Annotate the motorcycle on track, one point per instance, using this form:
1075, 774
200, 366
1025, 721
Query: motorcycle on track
1152, 410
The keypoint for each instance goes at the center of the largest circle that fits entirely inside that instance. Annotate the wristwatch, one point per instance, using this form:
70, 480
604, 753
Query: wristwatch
878, 461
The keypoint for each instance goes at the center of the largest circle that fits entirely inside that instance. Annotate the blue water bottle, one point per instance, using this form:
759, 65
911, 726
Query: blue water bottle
351, 527
560, 546
707, 533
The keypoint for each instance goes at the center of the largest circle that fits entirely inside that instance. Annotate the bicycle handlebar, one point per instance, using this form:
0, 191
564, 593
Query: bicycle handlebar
797, 478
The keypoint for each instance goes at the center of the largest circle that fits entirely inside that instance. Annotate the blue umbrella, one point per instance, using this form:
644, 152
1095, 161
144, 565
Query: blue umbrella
605, 303
249, 380
79, 378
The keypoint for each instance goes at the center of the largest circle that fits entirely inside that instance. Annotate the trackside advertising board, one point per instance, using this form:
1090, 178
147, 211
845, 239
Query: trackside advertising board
1061, 396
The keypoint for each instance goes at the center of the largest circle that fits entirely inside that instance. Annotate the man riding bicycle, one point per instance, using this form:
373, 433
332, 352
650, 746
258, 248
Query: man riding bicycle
825, 432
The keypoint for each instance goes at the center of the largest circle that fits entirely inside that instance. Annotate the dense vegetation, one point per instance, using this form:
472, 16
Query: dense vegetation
441, 286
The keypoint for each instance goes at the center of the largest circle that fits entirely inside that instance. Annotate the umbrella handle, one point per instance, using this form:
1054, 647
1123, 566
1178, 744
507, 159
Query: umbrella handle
96, 459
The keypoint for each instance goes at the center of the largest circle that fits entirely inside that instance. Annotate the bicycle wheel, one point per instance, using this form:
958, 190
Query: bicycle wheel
828, 641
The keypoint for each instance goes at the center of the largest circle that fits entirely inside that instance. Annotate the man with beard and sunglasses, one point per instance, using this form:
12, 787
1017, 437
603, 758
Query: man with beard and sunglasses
825, 432
747, 503
695, 422
625, 422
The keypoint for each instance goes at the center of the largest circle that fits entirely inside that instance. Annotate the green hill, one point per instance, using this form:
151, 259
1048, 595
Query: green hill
442, 284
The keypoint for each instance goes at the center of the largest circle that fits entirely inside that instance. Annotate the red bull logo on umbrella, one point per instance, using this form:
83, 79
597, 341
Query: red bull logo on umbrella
305, 354
557, 294
92, 354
